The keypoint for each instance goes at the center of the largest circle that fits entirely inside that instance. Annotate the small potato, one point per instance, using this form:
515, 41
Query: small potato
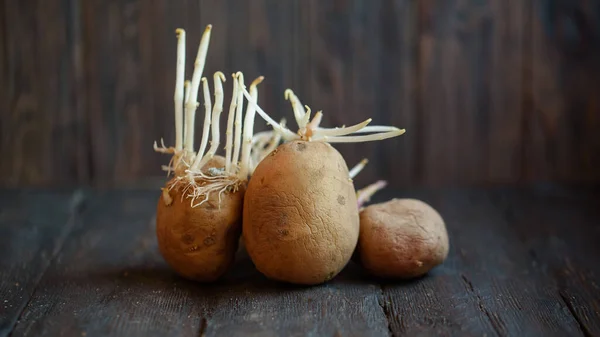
300, 214
401, 238
200, 243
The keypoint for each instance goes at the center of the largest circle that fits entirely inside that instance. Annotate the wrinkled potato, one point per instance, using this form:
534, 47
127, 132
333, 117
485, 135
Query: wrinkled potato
301, 219
200, 243
401, 238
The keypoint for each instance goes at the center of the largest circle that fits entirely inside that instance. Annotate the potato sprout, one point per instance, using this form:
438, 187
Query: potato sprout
311, 131
199, 213
189, 165
301, 211
364, 194
399, 238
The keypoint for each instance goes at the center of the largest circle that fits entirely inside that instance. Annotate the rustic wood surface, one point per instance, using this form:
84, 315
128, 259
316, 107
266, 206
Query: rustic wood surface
495, 91
522, 262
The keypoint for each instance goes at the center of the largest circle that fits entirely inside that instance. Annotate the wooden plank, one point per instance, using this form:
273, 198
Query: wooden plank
342, 77
131, 56
120, 99
107, 281
560, 229
565, 112
253, 306
255, 38
272, 34
33, 228
4, 71
443, 302
437, 305
489, 91
470, 95
503, 97
397, 81
44, 130
110, 279
489, 285
360, 67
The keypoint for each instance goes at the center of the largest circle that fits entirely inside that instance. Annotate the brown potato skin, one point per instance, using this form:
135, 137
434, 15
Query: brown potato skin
200, 243
300, 214
401, 238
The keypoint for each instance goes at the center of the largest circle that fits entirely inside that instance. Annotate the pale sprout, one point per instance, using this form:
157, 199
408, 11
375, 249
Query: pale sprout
264, 143
243, 149
364, 194
359, 167
186, 163
310, 130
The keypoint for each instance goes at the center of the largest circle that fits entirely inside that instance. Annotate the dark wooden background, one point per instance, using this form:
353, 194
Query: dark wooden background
490, 91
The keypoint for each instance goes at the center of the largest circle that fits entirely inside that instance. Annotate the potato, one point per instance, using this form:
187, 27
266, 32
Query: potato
200, 243
199, 213
301, 219
401, 238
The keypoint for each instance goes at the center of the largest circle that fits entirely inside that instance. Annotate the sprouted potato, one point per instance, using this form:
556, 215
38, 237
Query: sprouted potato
300, 215
199, 214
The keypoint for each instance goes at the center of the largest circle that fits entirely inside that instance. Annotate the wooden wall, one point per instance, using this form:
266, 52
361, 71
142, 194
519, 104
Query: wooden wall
490, 91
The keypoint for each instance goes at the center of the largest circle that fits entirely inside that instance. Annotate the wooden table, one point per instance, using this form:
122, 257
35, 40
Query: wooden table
523, 262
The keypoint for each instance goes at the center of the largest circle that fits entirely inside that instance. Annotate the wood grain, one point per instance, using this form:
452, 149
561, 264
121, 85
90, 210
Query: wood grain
33, 228
489, 284
346, 73
44, 126
255, 38
490, 92
95, 272
252, 305
546, 219
400, 159
470, 94
565, 47
110, 279
4, 78
119, 102
98, 272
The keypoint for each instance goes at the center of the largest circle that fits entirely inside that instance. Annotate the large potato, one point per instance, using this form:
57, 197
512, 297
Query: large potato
401, 238
300, 214
199, 243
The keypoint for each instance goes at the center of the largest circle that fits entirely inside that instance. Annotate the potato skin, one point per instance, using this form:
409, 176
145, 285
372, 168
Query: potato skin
200, 243
401, 238
300, 214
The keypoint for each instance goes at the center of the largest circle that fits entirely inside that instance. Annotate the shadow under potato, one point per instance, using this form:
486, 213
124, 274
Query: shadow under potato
242, 273
151, 279
152, 274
